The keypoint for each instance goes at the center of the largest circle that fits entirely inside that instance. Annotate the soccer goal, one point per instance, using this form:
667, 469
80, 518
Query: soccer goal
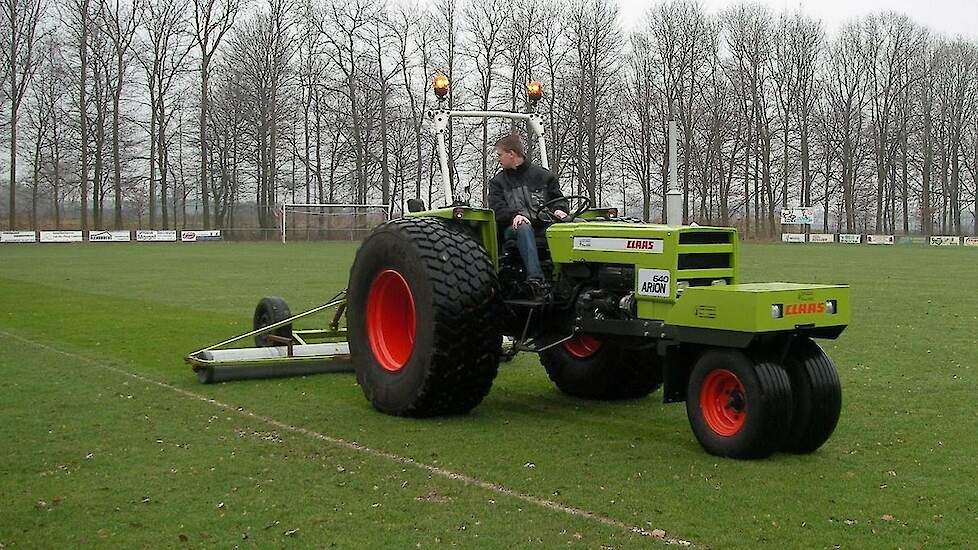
332, 221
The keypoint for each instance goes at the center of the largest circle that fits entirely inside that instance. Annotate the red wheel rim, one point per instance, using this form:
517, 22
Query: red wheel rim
582, 346
723, 402
390, 320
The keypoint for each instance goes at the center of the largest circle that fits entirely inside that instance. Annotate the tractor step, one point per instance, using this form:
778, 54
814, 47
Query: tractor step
530, 303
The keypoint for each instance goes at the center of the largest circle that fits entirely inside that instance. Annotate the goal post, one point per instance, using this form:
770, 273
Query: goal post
330, 221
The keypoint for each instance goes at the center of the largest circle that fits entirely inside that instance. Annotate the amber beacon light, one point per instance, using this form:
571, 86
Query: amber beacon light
440, 84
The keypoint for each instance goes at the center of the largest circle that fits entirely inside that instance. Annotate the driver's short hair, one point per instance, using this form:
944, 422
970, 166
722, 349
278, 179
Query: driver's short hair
512, 142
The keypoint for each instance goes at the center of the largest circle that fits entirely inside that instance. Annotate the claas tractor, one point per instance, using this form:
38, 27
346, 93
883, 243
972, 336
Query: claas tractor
634, 308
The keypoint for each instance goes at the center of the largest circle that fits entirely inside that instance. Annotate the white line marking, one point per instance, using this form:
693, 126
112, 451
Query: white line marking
658, 534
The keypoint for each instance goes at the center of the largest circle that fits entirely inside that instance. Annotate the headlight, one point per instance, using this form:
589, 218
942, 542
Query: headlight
718, 282
680, 287
777, 311
831, 306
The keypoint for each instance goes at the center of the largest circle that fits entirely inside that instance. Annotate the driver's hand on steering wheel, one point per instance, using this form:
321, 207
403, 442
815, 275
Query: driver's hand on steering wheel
560, 214
519, 220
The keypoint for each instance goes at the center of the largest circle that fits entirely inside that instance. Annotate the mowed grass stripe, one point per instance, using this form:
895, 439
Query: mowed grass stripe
103, 458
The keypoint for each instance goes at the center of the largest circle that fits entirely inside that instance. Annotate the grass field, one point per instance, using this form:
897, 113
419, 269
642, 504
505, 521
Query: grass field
92, 455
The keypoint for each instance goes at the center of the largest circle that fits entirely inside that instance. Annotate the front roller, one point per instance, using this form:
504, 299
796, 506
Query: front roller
739, 406
421, 332
817, 395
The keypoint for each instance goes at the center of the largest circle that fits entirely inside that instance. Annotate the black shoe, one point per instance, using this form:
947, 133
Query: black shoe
539, 288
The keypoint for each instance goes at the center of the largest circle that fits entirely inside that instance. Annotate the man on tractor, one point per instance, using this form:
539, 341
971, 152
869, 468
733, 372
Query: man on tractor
516, 194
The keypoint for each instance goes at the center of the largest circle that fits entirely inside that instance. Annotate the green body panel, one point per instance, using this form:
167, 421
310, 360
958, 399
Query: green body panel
565, 247
703, 260
747, 307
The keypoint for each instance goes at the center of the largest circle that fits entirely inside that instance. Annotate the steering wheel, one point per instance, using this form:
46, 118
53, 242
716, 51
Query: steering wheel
543, 213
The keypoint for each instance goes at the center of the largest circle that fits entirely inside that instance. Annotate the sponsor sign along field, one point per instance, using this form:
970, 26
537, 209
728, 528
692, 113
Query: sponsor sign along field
109, 236
801, 216
793, 237
194, 236
879, 239
61, 236
945, 240
18, 237
151, 236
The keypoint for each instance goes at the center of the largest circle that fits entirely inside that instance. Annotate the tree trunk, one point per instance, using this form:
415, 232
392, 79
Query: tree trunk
204, 198
116, 158
12, 68
161, 157
905, 181
83, 114
13, 143
152, 163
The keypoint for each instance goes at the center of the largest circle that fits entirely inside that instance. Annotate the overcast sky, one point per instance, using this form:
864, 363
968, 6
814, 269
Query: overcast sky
951, 17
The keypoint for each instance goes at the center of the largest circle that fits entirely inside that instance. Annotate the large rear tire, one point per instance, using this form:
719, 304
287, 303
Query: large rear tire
591, 369
421, 331
817, 397
738, 407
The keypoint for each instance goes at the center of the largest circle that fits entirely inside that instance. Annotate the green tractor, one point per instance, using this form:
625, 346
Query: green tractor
634, 307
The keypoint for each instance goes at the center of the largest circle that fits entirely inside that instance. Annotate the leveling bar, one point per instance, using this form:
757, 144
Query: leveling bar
308, 351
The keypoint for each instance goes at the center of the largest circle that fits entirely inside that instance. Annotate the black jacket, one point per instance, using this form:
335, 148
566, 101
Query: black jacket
513, 192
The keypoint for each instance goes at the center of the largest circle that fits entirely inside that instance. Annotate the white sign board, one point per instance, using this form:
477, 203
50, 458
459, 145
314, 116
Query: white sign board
793, 237
18, 237
609, 244
654, 282
209, 235
194, 236
821, 238
945, 240
879, 239
109, 236
61, 236
971, 241
850, 238
148, 236
802, 216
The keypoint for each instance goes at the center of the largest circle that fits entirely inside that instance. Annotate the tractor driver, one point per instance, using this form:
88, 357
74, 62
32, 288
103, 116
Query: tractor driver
515, 194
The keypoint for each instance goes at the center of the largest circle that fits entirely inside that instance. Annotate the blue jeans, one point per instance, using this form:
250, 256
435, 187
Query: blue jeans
526, 242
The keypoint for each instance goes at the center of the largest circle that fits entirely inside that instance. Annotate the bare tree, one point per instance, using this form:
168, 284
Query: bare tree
847, 96
21, 19
679, 30
643, 100
344, 27
163, 56
263, 50
598, 41
958, 70
212, 20
120, 22
748, 33
484, 22
79, 20
412, 42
